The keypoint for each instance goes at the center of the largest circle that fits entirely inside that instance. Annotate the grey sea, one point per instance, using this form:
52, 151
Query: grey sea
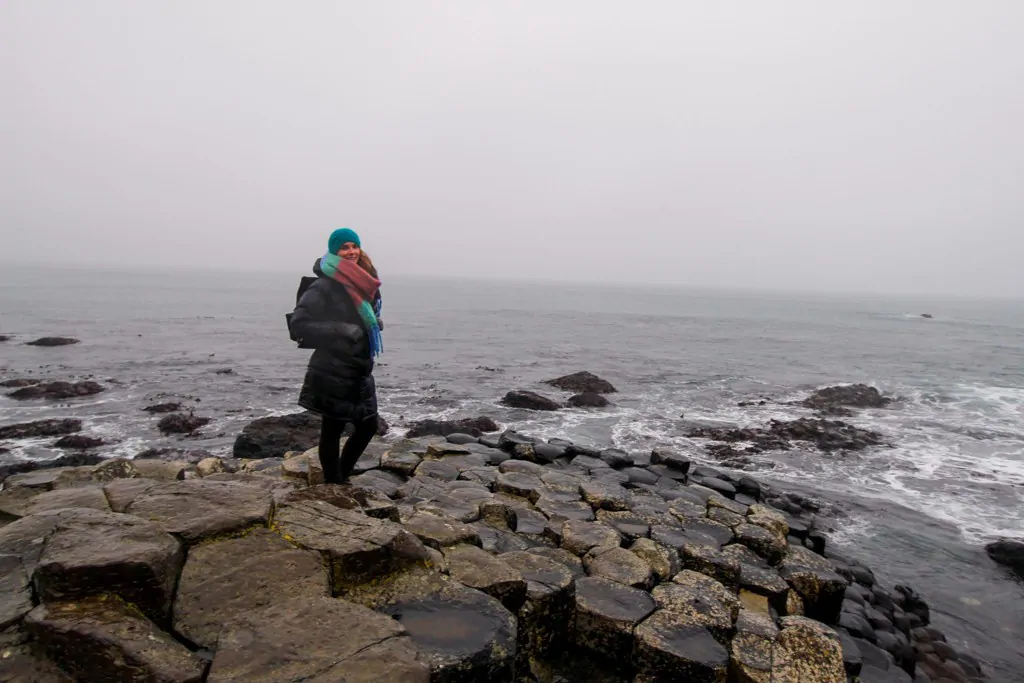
918, 512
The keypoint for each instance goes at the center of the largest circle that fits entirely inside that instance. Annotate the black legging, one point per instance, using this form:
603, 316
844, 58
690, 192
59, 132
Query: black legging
331, 431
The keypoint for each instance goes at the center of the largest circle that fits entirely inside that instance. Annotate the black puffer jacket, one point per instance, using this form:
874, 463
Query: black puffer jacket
339, 380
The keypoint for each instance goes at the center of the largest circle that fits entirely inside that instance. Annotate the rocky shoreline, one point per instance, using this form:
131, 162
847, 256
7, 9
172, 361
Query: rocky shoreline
455, 558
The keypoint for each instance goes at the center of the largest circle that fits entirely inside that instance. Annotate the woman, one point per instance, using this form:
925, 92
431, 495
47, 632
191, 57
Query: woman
339, 316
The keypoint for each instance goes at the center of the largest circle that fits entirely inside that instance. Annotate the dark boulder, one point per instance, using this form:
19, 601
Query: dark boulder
589, 400
53, 341
4, 337
181, 424
473, 426
272, 437
18, 383
52, 427
1009, 553
79, 441
828, 435
581, 383
529, 400
56, 391
670, 459
163, 408
849, 396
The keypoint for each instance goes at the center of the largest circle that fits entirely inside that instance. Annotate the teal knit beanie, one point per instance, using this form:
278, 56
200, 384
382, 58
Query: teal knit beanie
340, 237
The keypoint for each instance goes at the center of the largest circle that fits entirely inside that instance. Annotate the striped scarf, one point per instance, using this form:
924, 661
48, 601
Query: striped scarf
363, 288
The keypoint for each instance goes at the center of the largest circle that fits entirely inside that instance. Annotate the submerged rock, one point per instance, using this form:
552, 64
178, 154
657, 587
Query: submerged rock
582, 383
589, 400
1008, 552
159, 408
181, 424
79, 442
316, 639
529, 400
846, 396
56, 391
52, 427
474, 426
53, 341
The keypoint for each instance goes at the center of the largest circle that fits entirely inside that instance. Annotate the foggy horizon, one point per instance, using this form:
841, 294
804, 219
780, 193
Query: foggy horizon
875, 148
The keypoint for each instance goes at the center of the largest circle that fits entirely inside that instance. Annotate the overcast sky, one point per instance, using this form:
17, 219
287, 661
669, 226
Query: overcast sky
872, 145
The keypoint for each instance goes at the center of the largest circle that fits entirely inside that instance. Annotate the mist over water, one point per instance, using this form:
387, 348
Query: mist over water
917, 511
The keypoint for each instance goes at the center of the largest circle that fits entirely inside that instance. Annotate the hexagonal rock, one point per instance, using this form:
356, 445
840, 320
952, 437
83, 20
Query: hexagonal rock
673, 652
22, 502
752, 648
439, 532
806, 650
403, 458
518, 484
723, 516
710, 561
769, 518
226, 578
358, 548
557, 509
316, 640
464, 635
89, 552
664, 562
103, 639
757, 577
562, 557
720, 533
693, 607
709, 586
761, 541
670, 459
448, 506
815, 579
580, 537
476, 568
121, 492
606, 614
15, 591
370, 502
604, 496
685, 509
544, 618
631, 526
619, 565
202, 508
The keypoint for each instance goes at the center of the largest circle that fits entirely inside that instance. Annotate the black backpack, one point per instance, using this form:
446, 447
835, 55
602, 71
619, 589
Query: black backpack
304, 284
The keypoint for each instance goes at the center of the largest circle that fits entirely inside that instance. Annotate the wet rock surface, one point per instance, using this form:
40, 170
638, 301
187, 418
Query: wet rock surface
529, 400
181, 424
53, 427
1009, 553
457, 560
278, 644
105, 639
475, 426
272, 437
56, 391
224, 579
582, 383
53, 341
